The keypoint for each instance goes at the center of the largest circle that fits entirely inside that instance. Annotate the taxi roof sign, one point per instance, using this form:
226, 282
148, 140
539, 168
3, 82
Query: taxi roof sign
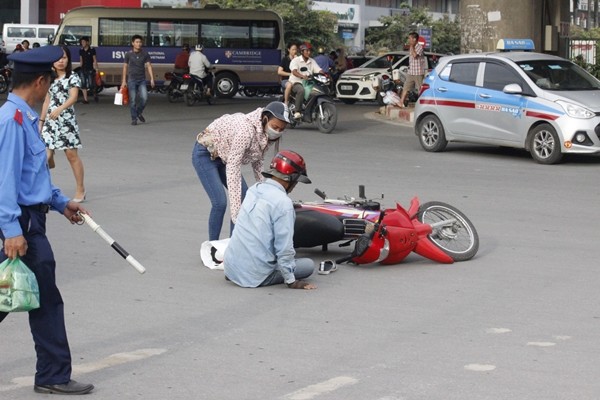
515, 45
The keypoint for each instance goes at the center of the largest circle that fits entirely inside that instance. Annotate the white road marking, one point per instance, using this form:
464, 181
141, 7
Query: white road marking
498, 330
312, 391
480, 367
541, 344
110, 361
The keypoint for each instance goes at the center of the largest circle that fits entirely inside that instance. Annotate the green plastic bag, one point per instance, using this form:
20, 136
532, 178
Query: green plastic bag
308, 86
19, 290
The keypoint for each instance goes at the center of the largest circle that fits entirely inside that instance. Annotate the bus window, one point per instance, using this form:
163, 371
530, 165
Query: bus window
71, 34
186, 33
264, 35
227, 34
118, 32
162, 34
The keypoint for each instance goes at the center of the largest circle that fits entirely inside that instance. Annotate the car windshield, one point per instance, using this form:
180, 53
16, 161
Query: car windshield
559, 75
384, 61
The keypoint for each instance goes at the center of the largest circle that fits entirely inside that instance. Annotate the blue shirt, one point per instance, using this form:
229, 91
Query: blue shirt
263, 238
324, 62
24, 174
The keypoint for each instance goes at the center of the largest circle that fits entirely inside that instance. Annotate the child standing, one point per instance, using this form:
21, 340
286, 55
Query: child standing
57, 122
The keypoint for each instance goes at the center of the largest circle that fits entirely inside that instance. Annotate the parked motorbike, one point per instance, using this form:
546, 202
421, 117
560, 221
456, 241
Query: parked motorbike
194, 90
318, 104
393, 81
174, 92
434, 230
5, 74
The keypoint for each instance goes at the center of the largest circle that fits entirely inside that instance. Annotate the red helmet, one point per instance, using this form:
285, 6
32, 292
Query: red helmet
288, 166
305, 46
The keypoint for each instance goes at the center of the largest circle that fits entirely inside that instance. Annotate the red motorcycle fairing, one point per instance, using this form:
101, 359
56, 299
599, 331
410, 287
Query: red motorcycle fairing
405, 234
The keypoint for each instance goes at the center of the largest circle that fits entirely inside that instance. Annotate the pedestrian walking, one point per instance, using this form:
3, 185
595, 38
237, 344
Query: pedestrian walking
89, 65
27, 195
58, 124
134, 78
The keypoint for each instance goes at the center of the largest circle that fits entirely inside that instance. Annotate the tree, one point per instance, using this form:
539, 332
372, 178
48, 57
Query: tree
392, 35
301, 23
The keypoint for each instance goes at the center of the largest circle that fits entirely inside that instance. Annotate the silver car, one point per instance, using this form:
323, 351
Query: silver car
542, 103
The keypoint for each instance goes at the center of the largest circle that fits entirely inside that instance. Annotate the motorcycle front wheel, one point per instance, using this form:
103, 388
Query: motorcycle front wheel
329, 120
458, 237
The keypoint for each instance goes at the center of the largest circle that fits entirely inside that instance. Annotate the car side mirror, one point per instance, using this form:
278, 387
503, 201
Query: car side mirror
512, 88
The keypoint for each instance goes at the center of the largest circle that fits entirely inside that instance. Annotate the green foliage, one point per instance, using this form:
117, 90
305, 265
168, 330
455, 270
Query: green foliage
301, 24
394, 32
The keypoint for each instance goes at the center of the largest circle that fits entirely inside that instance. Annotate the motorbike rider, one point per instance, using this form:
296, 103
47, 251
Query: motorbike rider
261, 250
199, 67
302, 68
324, 61
182, 59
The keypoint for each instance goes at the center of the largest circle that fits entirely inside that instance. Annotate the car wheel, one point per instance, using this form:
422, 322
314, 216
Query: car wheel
544, 145
348, 101
431, 134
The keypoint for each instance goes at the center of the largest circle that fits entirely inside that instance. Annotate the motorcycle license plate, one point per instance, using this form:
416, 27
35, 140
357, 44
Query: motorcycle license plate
184, 86
345, 87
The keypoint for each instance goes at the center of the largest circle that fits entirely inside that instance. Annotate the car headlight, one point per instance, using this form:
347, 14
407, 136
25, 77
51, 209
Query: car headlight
575, 111
368, 77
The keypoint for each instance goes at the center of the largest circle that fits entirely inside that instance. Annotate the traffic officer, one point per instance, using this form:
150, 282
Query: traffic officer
27, 195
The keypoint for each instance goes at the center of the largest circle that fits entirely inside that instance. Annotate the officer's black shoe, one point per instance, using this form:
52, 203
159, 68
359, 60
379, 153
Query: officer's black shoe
72, 387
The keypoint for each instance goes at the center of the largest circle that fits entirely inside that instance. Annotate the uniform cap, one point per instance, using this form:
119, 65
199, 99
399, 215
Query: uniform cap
39, 59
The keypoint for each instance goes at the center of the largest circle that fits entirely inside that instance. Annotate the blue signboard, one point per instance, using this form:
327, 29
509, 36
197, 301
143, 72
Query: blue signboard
425, 33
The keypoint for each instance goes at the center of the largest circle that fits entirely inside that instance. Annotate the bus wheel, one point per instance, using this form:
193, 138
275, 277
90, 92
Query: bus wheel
227, 84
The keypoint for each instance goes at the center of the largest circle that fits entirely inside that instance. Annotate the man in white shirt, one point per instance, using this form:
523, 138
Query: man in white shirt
199, 66
302, 67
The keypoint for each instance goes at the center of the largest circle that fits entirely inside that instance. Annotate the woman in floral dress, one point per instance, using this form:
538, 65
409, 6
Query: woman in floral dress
58, 124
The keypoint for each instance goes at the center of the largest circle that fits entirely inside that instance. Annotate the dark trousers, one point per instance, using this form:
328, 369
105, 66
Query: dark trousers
47, 323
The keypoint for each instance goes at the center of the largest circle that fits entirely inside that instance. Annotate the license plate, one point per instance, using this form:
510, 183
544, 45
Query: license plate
184, 86
345, 87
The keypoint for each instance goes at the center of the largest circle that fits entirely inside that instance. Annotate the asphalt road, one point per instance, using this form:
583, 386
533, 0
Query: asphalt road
519, 321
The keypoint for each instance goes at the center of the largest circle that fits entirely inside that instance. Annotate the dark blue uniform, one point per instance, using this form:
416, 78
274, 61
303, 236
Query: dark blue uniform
27, 192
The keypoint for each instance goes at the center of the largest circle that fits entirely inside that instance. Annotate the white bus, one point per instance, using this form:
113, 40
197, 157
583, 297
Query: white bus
247, 43
14, 34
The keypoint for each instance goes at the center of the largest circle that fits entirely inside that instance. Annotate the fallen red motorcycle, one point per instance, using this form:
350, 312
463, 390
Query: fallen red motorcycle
435, 230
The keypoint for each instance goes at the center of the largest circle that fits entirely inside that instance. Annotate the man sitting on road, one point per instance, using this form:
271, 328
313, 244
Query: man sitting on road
302, 68
261, 250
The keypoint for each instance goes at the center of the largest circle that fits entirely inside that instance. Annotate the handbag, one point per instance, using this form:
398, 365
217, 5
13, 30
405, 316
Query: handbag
98, 79
125, 93
19, 290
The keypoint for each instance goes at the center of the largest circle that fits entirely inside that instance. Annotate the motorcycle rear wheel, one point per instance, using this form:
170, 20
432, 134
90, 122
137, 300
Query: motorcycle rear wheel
189, 96
327, 124
459, 240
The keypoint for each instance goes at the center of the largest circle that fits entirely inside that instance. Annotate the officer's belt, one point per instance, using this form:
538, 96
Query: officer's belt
41, 208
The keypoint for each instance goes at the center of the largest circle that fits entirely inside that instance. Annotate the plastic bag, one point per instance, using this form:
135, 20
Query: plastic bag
212, 253
119, 99
308, 86
19, 290
391, 98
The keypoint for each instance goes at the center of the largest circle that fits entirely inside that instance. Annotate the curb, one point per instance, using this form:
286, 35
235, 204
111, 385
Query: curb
393, 115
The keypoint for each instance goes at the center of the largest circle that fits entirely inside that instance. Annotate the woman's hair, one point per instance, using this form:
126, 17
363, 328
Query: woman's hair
69, 67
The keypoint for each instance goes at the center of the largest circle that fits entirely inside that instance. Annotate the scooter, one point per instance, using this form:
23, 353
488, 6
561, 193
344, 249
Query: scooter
389, 87
318, 104
434, 230
194, 90
174, 92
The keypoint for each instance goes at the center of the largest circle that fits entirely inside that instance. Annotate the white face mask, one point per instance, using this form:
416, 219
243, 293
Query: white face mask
272, 133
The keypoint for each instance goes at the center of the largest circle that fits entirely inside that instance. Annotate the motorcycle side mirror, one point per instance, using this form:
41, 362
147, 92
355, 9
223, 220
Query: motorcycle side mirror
361, 191
303, 69
321, 194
